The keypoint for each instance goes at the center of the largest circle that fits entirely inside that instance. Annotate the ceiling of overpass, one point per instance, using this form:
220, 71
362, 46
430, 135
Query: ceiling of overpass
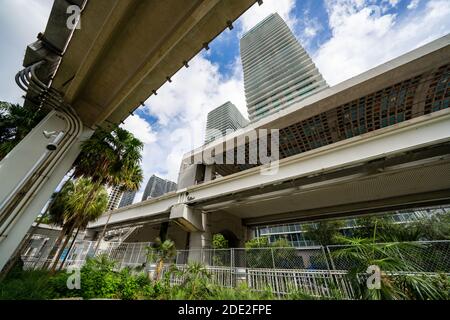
385, 185
125, 50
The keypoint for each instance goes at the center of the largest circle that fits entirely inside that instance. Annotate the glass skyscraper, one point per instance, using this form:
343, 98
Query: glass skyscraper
223, 118
157, 186
278, 72
127, 198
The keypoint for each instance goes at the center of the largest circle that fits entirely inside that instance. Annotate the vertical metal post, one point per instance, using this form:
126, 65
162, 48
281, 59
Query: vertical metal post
232, 268
273, 258
275, 273
331, 258
133, 245
139, 253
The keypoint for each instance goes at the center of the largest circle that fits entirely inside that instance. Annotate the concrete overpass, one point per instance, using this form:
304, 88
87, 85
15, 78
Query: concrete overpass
96, 76
401, 163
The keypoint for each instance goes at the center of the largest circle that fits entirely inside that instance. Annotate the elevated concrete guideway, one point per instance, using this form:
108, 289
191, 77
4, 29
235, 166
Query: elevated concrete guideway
340, 179
403, 164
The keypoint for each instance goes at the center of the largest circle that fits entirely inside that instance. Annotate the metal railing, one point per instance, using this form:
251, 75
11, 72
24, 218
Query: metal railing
422, 256
124, 254
317, 271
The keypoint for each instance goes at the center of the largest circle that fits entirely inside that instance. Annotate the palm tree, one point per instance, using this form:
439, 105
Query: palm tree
196, 277
91, 213
73, 208
57, 212
400, 276
15, 123
162, 251
113, 159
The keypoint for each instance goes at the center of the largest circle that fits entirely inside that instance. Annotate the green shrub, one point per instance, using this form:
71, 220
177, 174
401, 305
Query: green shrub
27, 285
129, 285
58, 282
219, 241
241, 292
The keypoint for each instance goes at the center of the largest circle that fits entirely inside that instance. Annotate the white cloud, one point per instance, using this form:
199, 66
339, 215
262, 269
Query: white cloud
181, 108
414, 4
307, 29
362, 38
140, 128
20, 22
394, 2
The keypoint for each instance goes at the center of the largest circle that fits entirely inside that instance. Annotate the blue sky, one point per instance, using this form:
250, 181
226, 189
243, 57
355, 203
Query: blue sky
344, 38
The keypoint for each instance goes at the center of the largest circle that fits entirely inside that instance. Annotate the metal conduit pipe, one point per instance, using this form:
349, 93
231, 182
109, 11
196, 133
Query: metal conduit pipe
27, 80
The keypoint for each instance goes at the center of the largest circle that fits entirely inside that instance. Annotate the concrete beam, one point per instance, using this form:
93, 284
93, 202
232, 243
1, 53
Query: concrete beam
356, 209
187, 218
393, 147
113, 62
418, 132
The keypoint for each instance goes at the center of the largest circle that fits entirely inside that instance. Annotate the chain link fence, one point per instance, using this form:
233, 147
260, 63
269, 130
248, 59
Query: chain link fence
319, 271
124, 254
420, 256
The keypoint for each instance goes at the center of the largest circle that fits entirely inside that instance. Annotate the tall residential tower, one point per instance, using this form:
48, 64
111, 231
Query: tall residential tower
223, 118
278, 72
127, 198
114, 196
157, 186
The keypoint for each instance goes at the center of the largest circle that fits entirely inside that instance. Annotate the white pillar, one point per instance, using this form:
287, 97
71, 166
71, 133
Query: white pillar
21, 160
200, 240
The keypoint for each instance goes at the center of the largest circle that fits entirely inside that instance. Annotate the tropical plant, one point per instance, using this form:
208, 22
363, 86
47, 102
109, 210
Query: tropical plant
26, 285
161, 252
219, 241
195, 279
257, 242
399, 278
240, 292
324, 232
433, 227
113, 159
260, 253
220, 256
15, 123
73, 209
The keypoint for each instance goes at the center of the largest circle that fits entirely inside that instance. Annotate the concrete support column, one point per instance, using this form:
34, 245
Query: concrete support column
200, 240
163, 230
20, 170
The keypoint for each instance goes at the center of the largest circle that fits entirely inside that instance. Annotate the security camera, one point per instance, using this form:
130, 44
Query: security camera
52, 146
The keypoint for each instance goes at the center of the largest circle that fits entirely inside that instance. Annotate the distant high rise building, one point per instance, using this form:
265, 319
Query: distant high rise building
157, 186
114, 198
278, 72
127, 198
223, 118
